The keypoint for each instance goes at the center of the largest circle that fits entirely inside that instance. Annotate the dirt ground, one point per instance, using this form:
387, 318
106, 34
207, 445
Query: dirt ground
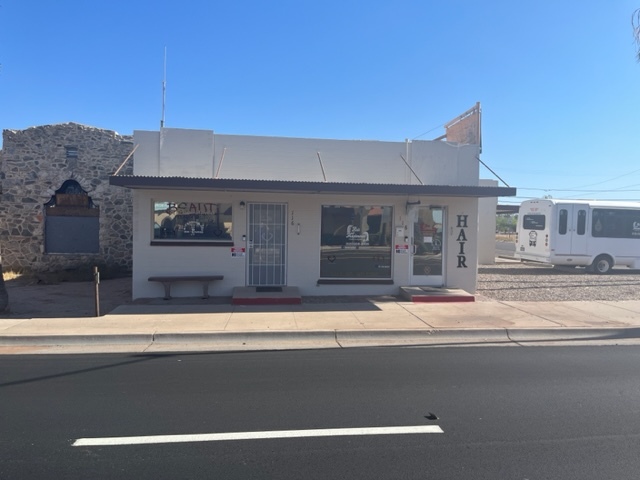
29, 299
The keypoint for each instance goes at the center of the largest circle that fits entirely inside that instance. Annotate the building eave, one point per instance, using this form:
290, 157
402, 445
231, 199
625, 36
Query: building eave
138, 182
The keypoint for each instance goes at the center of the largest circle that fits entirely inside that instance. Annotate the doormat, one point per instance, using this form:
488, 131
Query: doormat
268, 289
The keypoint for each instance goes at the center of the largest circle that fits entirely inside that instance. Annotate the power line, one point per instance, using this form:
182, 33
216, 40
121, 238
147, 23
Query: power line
428, 131
610, 180
519, 200
579, 188
614, 190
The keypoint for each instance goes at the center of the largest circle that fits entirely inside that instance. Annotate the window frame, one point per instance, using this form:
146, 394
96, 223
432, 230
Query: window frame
193, 241
352, 237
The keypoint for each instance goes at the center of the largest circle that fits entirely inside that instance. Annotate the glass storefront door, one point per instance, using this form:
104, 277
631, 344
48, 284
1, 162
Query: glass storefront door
427, 245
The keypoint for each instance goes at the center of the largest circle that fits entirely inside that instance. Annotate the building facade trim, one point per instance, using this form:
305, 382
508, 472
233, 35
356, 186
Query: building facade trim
275, 186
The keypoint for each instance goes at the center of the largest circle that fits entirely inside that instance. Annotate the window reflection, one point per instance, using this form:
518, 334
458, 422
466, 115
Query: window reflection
614, 223
356, 241
192, 221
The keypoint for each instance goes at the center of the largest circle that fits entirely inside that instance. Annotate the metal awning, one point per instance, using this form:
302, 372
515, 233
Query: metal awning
510, 209
136, 182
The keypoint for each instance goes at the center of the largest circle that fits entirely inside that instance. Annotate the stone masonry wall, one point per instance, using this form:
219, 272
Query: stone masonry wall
33, 165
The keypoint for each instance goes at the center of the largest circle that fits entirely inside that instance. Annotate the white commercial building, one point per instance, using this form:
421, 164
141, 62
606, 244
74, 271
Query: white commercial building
330, 217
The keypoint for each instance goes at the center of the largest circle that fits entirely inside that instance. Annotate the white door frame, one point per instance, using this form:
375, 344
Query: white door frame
427, 247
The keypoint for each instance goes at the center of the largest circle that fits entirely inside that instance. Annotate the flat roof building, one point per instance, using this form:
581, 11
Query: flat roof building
330, 217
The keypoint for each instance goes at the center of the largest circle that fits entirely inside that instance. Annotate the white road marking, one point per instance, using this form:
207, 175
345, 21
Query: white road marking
217, 437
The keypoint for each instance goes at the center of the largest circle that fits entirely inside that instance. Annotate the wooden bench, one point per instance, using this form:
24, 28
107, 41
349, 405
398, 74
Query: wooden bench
167, 280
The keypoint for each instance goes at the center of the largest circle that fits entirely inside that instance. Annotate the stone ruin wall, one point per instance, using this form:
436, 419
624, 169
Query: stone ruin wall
33, 165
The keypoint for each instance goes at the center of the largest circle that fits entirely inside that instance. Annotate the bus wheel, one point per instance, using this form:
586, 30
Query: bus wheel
602, 264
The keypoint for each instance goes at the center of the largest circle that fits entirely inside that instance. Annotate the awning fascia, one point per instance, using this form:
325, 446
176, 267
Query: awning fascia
138, 182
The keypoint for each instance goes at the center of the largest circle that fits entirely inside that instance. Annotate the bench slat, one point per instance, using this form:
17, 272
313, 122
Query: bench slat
186, 278
167, 280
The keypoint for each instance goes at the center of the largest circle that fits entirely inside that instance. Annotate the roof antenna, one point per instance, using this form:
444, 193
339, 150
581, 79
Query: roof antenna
164, 86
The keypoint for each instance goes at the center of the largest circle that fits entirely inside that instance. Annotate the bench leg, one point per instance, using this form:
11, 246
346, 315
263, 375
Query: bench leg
205, 289
167, 290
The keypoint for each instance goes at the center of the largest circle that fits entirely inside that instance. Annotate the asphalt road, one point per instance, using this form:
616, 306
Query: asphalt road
505, 413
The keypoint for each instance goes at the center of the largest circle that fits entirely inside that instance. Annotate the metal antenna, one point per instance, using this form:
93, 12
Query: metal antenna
164, 86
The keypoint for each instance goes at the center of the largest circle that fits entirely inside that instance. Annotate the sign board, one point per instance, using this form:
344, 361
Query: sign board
402, 249
466, 129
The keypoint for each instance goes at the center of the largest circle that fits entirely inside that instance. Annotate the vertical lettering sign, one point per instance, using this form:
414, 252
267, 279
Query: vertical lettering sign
462, 240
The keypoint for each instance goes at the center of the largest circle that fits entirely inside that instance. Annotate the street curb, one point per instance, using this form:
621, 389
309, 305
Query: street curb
569, 334
419, 337
342, 338
252, 336
82, 339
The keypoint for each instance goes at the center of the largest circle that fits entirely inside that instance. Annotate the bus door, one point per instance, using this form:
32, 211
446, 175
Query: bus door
571, 234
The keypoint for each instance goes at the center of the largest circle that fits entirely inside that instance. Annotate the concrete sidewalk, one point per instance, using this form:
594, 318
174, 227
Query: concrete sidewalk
179, 327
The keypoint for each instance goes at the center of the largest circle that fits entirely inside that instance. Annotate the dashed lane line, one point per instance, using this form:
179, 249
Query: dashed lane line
220, 437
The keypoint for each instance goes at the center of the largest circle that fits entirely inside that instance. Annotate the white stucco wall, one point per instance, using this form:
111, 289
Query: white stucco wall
275, 158
303, 249
462, 243
198, 153
186, 153
174, 152
487, 226
147, 153
442, 163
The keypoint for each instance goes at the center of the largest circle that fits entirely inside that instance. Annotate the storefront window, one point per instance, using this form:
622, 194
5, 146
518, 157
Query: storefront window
356, 242
192, 221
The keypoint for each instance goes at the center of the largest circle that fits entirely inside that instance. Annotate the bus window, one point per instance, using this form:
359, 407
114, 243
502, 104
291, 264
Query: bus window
615, 223
562, 227
533, 222
582, 222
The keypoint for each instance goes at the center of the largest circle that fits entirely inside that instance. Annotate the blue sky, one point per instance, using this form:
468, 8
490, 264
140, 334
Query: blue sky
558, 80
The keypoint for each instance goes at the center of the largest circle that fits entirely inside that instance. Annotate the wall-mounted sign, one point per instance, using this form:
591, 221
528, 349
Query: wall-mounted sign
356, 237
238, 251
462, 240
402, 248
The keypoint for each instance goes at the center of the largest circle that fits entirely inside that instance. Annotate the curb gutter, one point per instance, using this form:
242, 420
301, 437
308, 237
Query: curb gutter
335, 338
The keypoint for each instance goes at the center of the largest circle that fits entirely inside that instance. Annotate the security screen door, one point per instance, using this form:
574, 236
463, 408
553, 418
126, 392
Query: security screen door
267, 244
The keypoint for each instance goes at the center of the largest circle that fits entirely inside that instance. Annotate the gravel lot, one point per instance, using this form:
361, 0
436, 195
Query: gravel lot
525, 282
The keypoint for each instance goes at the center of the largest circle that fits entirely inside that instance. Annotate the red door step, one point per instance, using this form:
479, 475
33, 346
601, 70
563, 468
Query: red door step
435, 294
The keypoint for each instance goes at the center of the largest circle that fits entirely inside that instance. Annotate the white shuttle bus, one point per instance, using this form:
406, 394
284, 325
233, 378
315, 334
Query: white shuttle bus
592, 234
